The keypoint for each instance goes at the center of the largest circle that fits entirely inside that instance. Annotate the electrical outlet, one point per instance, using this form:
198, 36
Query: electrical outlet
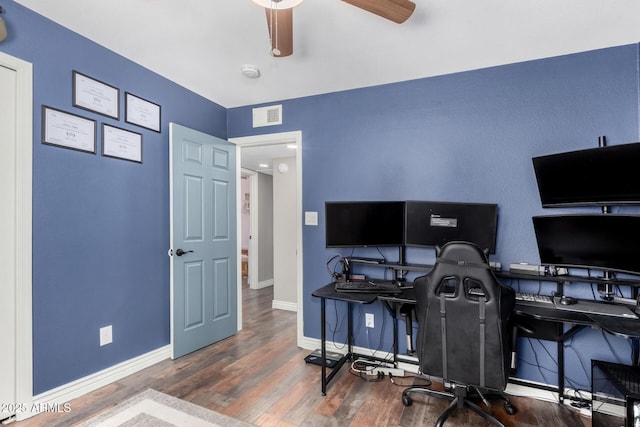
368, 320
106, 335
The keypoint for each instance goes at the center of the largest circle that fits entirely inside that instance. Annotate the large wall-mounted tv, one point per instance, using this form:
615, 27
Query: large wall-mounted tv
433, 224
364, 223
601, 242
592, 177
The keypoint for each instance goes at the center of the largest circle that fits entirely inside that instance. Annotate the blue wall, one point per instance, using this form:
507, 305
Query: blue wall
100, 225
466, 137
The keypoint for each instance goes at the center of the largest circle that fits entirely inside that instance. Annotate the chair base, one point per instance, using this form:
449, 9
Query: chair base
461, 398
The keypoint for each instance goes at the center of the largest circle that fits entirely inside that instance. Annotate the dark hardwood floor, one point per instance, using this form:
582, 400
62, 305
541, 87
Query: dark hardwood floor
259, 376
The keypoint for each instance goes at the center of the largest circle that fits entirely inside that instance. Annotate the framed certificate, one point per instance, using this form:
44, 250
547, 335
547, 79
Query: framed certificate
93, 95
121, 143
141, 112
68, 130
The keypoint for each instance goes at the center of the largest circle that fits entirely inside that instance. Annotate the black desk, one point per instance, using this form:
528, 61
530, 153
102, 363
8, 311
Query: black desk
623, 327
329, 292
627, 328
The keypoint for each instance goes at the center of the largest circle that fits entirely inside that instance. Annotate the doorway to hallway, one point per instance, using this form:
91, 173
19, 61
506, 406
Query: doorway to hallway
296, 172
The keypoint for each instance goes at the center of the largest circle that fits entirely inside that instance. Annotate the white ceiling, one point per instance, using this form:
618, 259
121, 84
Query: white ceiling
256, 157
202, 44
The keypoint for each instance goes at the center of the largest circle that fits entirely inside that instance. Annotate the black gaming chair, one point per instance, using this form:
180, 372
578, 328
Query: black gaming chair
463, 333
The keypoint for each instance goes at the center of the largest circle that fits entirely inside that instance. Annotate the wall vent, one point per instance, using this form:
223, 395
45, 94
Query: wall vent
267, 116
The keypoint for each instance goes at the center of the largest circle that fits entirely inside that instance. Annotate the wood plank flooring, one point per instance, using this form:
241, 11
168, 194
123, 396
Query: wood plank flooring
259, 376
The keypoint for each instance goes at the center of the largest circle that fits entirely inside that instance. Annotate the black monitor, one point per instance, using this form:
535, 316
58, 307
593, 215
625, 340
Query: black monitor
436, 223
603, 242
360, 224
592, 177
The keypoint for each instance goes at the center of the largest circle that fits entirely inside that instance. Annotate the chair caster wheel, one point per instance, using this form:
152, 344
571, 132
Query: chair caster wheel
406, 400
509, 408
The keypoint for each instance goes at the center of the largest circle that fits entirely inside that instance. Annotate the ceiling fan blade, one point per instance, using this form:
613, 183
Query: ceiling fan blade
397, 11
280, 24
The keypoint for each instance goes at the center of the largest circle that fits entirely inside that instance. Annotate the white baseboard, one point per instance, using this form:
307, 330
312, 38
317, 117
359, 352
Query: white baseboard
263, 284
61, 395
284, 305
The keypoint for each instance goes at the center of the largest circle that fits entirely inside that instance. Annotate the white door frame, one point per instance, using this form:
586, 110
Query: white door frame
23, 249
254, 237
294, 137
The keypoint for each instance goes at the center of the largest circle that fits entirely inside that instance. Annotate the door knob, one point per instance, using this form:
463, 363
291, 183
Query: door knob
180, 252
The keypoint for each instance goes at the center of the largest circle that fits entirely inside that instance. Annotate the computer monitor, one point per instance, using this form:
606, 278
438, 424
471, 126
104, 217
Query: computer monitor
603, 242
592, 177
436, 223
364, 223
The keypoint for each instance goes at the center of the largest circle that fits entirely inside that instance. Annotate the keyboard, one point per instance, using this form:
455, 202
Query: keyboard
535, 299
366, 286
596, 307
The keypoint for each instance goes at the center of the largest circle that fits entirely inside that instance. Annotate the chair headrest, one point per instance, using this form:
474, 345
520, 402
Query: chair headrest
462, 253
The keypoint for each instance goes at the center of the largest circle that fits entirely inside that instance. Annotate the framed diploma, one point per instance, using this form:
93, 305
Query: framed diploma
121, 143
93, 95
68, 130
141, 112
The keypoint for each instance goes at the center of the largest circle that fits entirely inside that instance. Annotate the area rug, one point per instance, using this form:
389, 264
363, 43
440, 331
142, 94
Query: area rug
154, 409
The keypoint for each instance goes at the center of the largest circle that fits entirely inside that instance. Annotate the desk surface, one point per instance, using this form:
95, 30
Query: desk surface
627, 328
329, 291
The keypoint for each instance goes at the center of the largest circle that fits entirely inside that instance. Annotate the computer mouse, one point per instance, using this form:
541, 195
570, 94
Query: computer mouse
565, 300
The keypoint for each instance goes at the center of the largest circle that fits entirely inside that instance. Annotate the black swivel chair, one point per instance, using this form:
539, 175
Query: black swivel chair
463, 332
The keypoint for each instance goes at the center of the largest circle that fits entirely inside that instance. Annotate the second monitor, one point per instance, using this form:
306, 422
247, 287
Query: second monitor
436, 223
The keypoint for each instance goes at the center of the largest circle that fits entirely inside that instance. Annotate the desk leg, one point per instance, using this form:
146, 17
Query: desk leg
350, 329
395, 334
565, 336
561, 371
323, 338
325, 379
394, 310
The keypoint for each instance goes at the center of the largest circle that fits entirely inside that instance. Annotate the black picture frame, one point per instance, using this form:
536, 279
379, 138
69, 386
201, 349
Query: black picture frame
96, 96
142, 112
68, 130
121, 143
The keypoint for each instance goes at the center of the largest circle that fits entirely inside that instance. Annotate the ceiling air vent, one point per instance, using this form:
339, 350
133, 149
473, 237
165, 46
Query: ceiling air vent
267, 116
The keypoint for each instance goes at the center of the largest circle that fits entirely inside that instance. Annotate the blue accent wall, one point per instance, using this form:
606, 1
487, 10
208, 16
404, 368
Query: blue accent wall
466, 137
100, 225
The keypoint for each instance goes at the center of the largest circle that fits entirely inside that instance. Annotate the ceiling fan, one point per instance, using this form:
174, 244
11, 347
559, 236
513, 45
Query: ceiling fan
280, 18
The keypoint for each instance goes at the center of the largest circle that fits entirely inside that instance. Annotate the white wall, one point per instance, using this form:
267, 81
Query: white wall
265, 227
285, 232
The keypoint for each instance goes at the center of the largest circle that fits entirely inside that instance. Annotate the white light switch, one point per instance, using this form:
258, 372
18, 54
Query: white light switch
106, 335
311, 218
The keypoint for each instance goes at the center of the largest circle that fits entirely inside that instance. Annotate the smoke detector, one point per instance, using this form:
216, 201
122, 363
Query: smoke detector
250, 71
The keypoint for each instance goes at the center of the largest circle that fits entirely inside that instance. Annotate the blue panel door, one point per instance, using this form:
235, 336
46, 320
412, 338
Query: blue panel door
203, 240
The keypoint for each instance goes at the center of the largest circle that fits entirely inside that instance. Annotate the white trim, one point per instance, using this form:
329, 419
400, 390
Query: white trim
284, 305
170, 253
281, 138
239, 173
24, 186
254, 233
263, 284
67, 392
